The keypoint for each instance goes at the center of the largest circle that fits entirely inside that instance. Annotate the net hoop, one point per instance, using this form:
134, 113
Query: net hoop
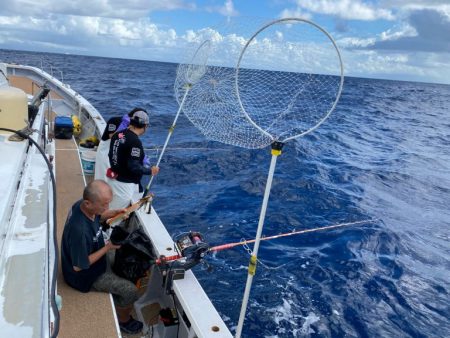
341, 83
190, 71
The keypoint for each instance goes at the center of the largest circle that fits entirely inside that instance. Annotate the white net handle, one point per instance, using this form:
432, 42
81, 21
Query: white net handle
340, 84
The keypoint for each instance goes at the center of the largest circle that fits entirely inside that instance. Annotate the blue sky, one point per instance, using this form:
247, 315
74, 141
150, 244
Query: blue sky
389, 39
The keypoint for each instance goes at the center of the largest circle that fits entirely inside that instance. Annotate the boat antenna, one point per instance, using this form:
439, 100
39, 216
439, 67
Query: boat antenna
187, 75
287, 80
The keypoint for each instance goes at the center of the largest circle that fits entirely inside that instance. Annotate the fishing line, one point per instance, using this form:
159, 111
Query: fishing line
191, 148
249, 251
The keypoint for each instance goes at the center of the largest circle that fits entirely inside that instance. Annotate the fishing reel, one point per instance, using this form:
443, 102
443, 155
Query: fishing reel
191, 249
191, 246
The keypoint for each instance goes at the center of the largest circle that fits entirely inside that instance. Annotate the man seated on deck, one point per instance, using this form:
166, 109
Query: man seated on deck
83, 253
126, 156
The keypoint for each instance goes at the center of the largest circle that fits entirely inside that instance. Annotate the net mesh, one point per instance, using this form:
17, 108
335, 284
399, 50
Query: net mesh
212, 106
263, 82
190, 72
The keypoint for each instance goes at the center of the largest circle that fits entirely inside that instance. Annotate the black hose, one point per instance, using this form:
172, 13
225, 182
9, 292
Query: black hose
55, 241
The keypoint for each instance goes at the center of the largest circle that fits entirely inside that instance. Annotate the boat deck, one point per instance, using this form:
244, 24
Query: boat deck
82, 314
92, 314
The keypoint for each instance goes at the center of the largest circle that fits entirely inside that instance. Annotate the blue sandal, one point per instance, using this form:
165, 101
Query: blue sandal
132, 326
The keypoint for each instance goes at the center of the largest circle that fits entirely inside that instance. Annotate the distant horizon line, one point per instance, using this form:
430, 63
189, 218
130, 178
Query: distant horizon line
177, 63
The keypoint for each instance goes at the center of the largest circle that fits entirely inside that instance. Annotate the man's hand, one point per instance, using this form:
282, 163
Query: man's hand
111, 246
95, 256
113, 212
155, 170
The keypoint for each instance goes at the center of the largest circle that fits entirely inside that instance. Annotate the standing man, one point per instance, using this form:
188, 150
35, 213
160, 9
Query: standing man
85, 266
126, 156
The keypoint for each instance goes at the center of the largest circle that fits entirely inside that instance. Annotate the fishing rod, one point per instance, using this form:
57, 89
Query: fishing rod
192, 243
192, 248
127, 211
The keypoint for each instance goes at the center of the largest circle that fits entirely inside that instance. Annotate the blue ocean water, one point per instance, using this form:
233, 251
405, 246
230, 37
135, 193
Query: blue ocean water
383, 154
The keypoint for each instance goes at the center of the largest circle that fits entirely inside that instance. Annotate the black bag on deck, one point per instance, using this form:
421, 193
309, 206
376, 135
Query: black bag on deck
132, 259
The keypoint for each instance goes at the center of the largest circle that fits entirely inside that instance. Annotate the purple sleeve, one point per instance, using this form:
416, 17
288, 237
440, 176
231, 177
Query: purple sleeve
125, 123
146, 161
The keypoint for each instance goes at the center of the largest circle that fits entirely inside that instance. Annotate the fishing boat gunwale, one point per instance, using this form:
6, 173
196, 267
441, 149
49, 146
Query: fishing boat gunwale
188, 298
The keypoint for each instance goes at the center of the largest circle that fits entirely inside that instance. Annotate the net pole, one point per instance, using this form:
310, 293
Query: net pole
253, 258
171, 129
190, 81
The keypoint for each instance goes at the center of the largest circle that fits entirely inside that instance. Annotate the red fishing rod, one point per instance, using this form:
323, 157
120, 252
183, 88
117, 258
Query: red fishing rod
193, 241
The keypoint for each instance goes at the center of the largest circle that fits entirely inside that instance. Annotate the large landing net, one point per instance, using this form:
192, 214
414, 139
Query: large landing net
212, 105
272, 82
289, 78
275, 84
298, 81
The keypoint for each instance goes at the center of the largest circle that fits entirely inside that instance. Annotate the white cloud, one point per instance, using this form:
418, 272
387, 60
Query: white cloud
83, 34
345, 9
419, 66
281, 47
10, 20
227, 9
426, 30
130, 9
394, 34
295, 13
440, 5
353, 42
124, 29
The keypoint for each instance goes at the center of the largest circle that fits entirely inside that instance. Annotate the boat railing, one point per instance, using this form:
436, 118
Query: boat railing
49, 68
51, 267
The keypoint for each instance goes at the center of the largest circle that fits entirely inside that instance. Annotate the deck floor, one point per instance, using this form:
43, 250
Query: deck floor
82, 314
